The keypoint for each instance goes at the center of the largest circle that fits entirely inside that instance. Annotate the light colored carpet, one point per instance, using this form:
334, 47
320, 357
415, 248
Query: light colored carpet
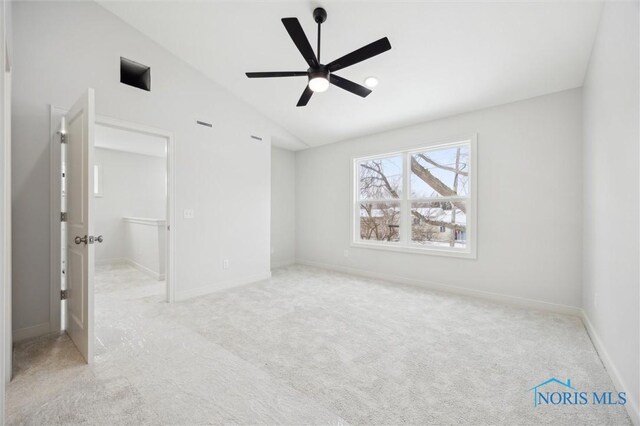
307, 347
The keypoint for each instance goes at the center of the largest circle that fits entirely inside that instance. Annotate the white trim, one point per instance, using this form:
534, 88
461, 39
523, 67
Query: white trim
517, 301
55, 158
221, 285
405, 205
405, 245
6, 334
144, 269
8, 230
32, 331
119, 261
97, 172
170, 214
111, 262
616, 377
55, 114
282, 263
434, 251
145, 221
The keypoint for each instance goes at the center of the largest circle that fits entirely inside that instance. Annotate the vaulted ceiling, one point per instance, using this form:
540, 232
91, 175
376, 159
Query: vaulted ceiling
446, 58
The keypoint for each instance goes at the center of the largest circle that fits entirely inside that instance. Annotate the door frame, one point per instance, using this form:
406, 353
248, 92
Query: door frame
6, 330
56, 114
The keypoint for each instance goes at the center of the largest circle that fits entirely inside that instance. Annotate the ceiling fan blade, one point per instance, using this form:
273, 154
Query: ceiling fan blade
301, 41
349, 85
306, 95
366, 52
276, 74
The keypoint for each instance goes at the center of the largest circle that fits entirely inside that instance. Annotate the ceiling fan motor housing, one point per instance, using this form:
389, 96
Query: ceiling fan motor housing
321, 72
319, 15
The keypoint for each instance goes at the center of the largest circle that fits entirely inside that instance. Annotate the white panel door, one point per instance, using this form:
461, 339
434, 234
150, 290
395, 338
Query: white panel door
80, 248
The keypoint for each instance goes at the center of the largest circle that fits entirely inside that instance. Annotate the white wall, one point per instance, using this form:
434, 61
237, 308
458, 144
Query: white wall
5, 200
2, 213
3, 285
283, 205
529, 212
62, 48
611, 191
145, 241
133, 185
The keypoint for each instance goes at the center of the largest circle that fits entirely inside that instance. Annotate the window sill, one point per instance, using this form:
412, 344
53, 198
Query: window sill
416, 250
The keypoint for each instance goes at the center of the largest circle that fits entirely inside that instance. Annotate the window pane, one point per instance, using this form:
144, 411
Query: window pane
380, 179
440, 172
439, 223
380, 221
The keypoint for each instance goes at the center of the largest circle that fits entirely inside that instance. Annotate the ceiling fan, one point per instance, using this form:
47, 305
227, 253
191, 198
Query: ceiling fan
321, 75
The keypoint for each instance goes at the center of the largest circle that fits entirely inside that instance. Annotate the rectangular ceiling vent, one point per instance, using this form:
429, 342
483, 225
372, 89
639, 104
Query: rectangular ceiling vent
135, 74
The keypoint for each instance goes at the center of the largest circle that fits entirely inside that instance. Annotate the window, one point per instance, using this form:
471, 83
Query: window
420, 200
97, 181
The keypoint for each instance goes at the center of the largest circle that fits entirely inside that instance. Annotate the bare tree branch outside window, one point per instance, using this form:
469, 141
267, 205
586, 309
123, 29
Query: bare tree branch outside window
380, 180
439, 185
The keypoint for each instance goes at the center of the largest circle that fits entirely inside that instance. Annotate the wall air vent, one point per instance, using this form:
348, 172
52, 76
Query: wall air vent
135, 74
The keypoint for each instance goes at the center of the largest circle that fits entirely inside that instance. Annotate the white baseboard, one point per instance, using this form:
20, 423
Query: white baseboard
616, 377
522, 302
126, 261
109, 262
31, 332
144, 269
220, 285
282, 263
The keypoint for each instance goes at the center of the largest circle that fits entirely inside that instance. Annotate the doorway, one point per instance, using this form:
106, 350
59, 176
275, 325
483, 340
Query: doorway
130, 211
130, 201
131, 190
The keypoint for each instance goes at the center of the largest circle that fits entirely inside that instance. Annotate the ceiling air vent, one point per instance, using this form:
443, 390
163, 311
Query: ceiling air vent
135, 74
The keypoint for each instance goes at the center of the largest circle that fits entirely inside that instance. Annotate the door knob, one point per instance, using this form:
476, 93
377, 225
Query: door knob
79, 240
99, 238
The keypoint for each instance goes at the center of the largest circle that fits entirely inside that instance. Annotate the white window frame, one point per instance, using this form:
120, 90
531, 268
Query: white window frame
405, 244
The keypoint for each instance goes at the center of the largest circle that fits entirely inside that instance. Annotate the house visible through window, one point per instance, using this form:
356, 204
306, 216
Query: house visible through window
417, 200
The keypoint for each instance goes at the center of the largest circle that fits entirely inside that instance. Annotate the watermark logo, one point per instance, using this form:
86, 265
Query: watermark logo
546, 393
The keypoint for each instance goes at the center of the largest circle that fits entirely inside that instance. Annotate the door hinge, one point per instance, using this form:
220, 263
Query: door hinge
64, 294
63, 216
63, 138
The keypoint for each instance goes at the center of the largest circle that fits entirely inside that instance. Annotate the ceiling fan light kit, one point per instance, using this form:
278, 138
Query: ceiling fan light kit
371, 81
320, 76
319, 79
